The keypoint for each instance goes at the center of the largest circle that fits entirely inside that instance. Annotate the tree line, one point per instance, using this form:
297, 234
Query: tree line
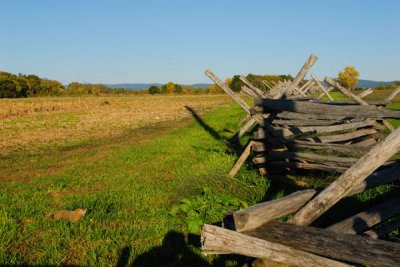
22, 85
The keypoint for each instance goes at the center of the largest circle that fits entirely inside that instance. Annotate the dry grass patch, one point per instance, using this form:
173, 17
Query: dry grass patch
37, 123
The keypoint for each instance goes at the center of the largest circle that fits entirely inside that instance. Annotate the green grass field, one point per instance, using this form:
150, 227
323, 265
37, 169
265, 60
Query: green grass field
130, 184
128, 188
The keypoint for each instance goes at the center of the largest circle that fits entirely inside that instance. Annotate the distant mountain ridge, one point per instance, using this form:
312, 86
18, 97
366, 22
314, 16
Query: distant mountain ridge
141, 86
372, 84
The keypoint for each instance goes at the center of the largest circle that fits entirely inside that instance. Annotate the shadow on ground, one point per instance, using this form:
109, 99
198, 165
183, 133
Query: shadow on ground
175, 251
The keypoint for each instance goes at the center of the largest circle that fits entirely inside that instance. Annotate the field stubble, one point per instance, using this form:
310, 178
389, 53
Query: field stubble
37, 123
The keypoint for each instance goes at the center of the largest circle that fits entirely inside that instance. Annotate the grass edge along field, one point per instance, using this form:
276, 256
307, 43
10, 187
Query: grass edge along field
128, 191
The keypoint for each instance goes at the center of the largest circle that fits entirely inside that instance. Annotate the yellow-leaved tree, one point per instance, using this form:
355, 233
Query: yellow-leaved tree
214, 89
349, 77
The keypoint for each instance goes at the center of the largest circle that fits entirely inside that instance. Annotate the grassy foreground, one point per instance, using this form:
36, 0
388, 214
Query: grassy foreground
128, 187
130, 183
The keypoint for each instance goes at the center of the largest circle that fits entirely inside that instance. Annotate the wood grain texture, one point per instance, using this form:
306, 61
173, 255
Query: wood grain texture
299, 77
353, 111
217, 240
352, 248
227, 90
323, 89
364, 220
252, 87
286, 132
345, 91
262, 213
393, 94
364, 167
243, 157
259, 214
342, 137
365, 93
383, 230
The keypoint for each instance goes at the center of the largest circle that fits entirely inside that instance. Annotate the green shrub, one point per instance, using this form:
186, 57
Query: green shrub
205, 208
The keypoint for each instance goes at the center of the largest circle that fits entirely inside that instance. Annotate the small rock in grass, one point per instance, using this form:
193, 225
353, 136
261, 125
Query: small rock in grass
67, 215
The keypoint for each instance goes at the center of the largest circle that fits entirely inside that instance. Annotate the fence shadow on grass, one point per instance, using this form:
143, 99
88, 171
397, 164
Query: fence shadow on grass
233, 144
175, 251
205, 126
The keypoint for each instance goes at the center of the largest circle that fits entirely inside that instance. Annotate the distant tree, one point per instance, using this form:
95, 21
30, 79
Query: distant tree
8, 88
236, 84
76, 88
187, 90
13, 86
22, 86
228, 81
168, 88
257, 80
214, 89
178, 89
198, 91
51, 87
34, 84
171, 88
154, 90
349, 77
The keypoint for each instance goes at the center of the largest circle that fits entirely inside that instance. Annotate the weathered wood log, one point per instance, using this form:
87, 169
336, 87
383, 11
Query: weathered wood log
362, 221
247, 92
245, 118
342, 137
366, 143
269, 86
298, 92
302, 116
311, 158
228, 91
267, 263
353, 111
259, 146
285, 132
301, 165
329, 89
304, 89
383, 230
252, 87
365, 93
299, 77
393, 94
354, 97
305, 122
324, 90
352, 248
388, 125
218, 240
232, 94
385, 175
329, 147
243, 157
261, 213
345, 91
351, 102
249, 124
366, 165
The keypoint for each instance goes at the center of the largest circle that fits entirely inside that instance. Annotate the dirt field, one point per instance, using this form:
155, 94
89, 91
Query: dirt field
37, 123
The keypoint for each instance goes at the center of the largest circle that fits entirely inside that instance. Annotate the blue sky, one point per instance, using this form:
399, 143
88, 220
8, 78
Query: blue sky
158, 41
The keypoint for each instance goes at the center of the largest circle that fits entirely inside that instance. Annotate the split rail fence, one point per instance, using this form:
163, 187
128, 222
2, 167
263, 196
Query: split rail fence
297, 131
